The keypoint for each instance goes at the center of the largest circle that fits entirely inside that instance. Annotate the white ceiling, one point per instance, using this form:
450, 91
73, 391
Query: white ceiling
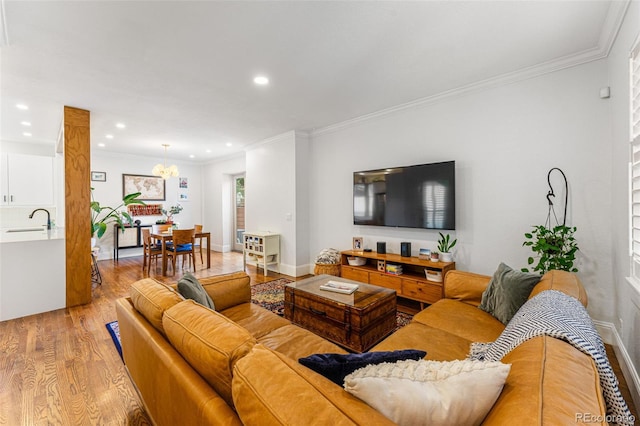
181, 72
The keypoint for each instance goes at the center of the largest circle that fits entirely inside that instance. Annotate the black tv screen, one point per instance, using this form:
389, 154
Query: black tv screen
421, 196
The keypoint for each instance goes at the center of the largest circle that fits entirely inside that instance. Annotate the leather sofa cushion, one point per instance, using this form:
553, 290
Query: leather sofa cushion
255, 319
468, 287
465, 286
210, 342
228, 290
439, 345
549, 381
563, 281
296, 342
461, 319
151, 298
272, 389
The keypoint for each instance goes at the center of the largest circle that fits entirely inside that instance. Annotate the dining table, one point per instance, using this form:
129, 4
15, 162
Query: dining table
165, 237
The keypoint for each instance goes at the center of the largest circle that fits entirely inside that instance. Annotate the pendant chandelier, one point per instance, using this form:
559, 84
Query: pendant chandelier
162, 170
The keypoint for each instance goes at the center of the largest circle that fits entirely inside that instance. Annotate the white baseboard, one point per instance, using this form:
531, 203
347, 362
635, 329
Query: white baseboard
610, 336
223, 248
291, 270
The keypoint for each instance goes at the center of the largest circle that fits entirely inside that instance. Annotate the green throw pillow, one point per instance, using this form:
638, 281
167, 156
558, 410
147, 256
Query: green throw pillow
507, 291
190, 288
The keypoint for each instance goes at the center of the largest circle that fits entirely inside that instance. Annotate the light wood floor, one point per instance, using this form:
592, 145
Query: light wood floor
61, 368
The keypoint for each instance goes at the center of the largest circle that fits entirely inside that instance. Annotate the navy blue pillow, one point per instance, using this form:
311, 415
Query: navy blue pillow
336, 367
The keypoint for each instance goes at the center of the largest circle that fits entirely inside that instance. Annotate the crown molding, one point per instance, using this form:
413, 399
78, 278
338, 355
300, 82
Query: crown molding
295, 133
612, 24
610, 29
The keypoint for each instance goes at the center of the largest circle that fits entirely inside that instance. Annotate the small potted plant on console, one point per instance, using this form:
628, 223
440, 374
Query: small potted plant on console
444, 246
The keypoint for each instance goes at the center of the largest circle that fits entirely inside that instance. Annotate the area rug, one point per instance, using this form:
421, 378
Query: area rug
270, 295
114, 331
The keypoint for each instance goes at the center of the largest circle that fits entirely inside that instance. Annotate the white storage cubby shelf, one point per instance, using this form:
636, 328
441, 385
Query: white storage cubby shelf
261, 249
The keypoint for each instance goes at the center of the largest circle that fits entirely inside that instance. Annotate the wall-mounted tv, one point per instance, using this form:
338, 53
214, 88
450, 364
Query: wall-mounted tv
420, 196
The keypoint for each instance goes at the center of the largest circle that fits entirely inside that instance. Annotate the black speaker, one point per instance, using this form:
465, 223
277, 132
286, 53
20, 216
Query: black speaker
405, 249
382, 247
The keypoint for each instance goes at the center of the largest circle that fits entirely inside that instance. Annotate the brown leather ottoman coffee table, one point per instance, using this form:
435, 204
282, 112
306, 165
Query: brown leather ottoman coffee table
356, 321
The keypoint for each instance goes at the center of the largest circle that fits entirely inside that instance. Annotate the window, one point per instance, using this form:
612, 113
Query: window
634, 134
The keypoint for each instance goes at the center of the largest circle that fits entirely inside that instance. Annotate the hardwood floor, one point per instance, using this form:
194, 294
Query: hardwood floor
61, 368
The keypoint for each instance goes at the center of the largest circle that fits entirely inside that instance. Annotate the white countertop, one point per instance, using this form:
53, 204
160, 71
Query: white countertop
6, 236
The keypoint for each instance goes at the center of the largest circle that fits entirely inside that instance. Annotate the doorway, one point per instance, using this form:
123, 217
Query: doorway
238, 211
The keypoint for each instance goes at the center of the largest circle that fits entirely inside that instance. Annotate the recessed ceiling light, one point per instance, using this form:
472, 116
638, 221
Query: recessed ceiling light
261, 80
108, 136
208, 151
101, 145
25, 123
26, 134
192, 156
22, 107
229, 144
120, 125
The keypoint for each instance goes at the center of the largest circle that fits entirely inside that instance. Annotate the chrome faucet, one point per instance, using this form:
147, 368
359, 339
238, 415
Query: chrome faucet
48, 216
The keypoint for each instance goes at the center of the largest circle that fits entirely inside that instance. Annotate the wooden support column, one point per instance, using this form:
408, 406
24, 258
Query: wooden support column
77, 157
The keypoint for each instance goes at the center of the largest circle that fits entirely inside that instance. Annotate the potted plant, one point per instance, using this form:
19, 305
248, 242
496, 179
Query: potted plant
555, 248
444, 246
101, 216
173, 210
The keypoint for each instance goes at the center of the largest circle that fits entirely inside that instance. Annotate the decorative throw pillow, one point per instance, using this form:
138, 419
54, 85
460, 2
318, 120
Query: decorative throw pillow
430, 392
190, 288
507, 291
336, 366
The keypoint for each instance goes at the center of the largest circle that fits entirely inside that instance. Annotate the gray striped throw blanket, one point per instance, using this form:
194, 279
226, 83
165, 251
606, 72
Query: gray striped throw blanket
555, 314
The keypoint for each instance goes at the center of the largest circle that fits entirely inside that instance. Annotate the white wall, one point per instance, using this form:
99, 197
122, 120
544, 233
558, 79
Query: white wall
218, 200
504, 141
626, 312
110, 192
270, 188
304, 263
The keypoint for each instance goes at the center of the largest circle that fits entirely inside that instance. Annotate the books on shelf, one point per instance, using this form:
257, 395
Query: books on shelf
339, 287
394, 269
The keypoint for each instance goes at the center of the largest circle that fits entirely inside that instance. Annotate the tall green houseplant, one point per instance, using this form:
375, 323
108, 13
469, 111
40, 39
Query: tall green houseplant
554, 248
101, 216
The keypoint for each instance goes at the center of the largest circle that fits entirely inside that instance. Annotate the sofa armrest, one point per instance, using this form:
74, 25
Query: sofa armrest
464, 286
228, 290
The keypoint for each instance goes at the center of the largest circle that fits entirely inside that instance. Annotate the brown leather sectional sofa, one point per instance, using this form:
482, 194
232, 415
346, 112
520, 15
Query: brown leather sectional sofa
238, 365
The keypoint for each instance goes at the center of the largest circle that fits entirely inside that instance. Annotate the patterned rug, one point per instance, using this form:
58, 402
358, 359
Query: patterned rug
270, 295
114, 331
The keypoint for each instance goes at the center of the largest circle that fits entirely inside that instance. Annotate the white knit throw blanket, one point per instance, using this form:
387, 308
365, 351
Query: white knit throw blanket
555, 314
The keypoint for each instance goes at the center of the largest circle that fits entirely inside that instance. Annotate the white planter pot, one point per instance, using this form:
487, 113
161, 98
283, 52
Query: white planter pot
446, 257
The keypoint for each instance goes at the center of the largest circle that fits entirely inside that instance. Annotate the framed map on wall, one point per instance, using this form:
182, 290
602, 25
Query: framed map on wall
151, 188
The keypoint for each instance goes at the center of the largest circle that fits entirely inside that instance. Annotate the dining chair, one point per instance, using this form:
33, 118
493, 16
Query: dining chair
150, 250
198, 241
182, 246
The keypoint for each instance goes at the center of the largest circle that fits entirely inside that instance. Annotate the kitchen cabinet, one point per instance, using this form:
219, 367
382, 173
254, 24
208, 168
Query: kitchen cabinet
26, 180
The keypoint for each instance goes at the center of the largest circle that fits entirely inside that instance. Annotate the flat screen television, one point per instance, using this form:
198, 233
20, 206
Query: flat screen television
420, 196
